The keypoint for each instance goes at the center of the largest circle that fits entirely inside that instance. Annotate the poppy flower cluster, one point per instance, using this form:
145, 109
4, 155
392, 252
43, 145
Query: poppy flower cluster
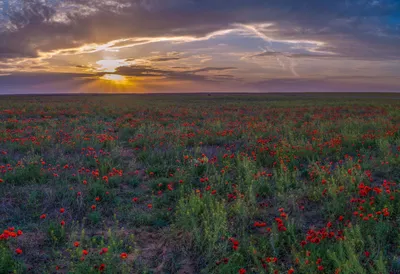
10, 233
235, 243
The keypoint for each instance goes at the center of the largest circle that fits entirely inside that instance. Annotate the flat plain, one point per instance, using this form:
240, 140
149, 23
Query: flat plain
202, 183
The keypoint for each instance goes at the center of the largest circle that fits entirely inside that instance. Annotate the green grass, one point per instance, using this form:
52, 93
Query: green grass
202, 184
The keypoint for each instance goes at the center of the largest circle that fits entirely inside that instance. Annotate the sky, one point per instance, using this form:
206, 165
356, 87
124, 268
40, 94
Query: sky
157, 46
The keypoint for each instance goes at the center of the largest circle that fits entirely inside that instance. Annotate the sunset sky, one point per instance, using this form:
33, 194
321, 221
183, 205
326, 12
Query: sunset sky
140, 46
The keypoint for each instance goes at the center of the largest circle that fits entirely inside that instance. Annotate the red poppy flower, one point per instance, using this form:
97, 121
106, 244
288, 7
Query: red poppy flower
103, 250
123, 256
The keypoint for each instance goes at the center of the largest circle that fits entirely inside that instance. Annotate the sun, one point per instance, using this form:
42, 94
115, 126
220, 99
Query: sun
114, 83
115, 78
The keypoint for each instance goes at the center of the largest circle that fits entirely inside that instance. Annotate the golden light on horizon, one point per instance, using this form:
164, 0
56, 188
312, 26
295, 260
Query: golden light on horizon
113, 83
116, 78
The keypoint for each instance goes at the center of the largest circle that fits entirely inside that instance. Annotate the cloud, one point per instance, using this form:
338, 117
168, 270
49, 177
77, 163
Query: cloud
331, 84
165, 59
43, 82
170, 56
40, 78
171, 39
184, 75
294, 55
346, 27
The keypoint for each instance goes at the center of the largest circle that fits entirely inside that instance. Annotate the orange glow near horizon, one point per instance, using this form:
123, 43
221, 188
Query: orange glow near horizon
115, 78
111, 83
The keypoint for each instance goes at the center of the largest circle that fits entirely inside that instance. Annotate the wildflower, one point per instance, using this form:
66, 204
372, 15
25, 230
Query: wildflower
62, 223
93, 207
290, 271
349, 171
135, 199
18, 251
103, 250
76, 244
242, 271
102, 267
43, 216
62, 210
123, 256
150, 206
385, 212
366, 254
85, 252
260, 224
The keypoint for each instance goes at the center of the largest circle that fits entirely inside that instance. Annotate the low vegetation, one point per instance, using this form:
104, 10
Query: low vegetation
199, 184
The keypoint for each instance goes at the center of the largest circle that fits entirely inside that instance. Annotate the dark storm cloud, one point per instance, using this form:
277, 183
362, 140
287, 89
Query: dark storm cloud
361, 28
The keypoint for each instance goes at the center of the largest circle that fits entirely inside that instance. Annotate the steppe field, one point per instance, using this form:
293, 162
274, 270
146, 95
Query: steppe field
202, 183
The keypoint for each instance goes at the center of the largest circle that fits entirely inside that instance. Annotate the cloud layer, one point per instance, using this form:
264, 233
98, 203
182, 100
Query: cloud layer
252, 42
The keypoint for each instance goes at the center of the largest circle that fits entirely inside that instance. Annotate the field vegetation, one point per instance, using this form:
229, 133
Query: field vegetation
200, 184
